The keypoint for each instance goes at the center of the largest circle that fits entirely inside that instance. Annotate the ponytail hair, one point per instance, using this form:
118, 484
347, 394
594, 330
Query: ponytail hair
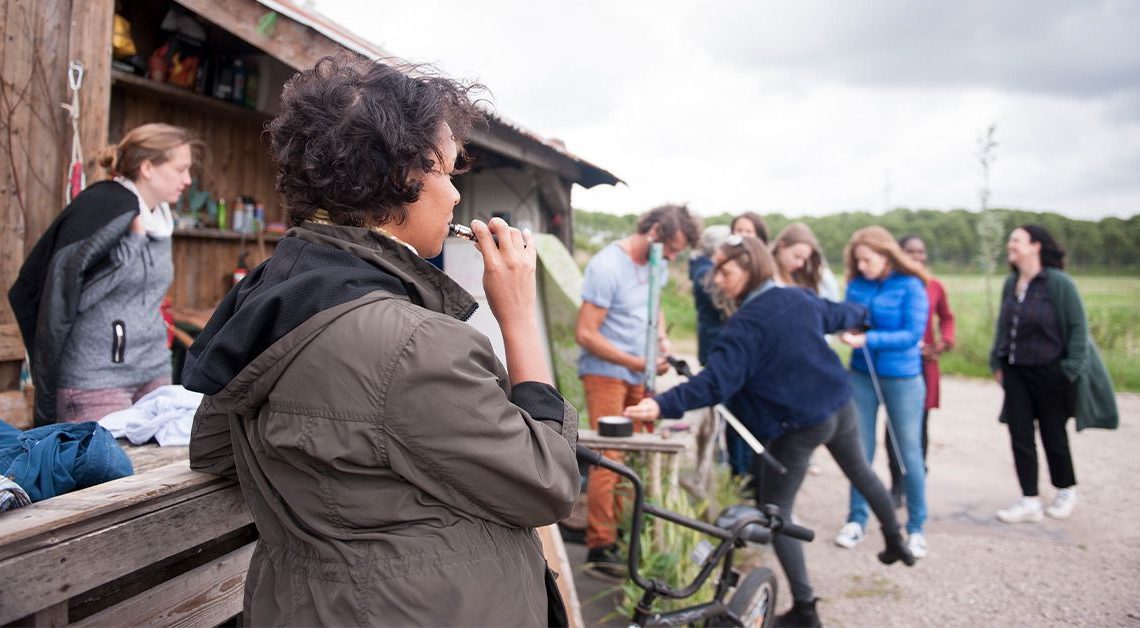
149, 142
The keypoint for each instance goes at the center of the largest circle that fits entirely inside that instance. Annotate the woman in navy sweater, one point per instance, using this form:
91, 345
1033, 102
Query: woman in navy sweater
890, 285
772, 366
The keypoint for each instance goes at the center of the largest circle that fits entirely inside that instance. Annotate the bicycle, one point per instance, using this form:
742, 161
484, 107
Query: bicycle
753, 597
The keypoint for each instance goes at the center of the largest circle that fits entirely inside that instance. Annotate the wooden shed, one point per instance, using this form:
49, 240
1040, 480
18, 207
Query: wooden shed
167, 545
515, 171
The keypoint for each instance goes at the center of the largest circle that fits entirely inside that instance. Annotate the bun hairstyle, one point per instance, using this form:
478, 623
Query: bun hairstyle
753, 257
809, 276
149, 142
882, 242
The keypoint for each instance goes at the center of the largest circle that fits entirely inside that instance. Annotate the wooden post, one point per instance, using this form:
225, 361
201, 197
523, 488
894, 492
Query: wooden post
34, 34
92, 25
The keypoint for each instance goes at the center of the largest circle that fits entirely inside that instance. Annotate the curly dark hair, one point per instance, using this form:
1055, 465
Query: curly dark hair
1052, 255
353, 134
670, 219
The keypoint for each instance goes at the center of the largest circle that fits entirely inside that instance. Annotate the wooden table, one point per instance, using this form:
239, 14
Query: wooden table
164, 546
664, 443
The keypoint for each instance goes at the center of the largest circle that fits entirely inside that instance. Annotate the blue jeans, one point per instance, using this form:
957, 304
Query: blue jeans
904, 397
739, 453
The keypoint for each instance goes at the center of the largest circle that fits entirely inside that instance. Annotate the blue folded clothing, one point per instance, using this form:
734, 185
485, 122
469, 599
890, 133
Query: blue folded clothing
56, 459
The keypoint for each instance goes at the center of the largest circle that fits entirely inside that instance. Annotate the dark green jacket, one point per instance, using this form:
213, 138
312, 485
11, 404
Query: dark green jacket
1095, 402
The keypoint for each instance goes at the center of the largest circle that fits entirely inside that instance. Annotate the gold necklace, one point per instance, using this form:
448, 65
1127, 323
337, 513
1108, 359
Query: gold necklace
321, 217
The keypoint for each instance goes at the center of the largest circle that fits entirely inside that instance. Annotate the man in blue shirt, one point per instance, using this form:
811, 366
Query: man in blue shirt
612, 326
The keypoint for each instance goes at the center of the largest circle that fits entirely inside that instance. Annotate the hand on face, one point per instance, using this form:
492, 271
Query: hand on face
508, 270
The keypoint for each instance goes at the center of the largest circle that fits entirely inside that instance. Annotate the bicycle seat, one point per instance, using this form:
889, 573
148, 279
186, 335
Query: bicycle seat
753, 532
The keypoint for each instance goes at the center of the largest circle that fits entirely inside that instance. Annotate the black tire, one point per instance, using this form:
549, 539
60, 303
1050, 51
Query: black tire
754, 600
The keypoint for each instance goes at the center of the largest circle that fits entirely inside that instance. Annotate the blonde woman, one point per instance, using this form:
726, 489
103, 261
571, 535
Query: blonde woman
87, 298
891, 285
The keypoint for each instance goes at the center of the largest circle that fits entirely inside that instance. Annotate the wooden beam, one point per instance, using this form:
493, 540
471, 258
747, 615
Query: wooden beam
509, 143
205, 596
555, 553
36, 579
11, 343
92, 26
640, 441
296, 45
14, 409
75, 514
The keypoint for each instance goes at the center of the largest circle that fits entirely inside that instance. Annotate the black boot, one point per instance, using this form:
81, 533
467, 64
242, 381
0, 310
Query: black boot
802, 615
896, 550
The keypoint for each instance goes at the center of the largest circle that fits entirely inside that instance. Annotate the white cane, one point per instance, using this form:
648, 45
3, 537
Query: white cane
882, 402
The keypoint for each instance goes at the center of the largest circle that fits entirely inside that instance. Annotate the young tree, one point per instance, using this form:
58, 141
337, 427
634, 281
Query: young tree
990, 229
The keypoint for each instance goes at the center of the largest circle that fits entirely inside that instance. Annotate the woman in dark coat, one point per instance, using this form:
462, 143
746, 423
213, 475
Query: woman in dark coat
1041, 352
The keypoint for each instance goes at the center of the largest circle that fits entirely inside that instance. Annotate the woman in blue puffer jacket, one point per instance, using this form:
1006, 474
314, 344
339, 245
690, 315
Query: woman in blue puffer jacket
891, 286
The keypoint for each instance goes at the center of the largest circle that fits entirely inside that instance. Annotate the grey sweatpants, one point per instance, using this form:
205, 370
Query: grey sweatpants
840, 434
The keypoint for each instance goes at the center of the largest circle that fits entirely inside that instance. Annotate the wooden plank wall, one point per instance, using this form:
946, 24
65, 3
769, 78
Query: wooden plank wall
34, 141
204, 266
239, 162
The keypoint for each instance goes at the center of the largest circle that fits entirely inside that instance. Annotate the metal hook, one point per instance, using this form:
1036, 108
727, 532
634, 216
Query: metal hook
75, 74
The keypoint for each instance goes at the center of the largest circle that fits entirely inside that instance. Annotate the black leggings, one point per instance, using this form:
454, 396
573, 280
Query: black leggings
840, 434
1041, 395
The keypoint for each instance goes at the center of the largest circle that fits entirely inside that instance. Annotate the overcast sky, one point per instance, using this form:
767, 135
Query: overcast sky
806, 107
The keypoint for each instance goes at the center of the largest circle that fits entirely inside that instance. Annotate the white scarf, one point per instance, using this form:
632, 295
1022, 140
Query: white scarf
159, 221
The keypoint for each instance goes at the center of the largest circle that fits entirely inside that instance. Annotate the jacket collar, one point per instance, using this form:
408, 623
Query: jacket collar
427, 286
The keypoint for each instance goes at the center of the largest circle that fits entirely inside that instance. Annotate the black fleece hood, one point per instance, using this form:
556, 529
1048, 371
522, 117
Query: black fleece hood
300, 280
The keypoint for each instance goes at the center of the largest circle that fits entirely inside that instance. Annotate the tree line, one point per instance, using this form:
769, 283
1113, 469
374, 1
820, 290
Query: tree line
1110, 244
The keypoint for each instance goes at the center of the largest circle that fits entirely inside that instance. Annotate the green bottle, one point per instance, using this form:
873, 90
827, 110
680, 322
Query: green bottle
221, 213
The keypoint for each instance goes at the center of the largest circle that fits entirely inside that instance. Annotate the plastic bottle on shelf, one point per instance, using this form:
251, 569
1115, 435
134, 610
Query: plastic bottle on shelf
239, 81
221, 213
259, 218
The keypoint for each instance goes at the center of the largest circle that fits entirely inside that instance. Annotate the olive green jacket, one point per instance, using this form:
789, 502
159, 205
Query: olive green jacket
1094, 402
393, 474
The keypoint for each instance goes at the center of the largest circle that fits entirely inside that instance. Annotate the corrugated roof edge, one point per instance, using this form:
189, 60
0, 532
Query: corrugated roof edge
589, 174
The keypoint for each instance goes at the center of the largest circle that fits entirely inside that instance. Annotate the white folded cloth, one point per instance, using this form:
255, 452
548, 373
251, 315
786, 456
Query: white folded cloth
165, 414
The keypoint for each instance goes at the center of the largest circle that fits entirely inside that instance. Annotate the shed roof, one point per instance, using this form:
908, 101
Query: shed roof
502, 135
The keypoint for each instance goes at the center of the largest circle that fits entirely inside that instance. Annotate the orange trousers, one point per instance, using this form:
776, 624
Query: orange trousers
606, 396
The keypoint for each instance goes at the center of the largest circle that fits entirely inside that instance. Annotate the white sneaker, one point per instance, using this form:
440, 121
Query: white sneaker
1064, 504
1026, 510
916, 543
850, 535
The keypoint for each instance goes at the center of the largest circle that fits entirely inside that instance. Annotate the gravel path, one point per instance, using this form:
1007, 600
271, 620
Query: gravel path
1083, 571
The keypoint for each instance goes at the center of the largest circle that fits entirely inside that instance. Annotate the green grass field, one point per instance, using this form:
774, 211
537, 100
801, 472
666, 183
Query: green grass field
1112, 304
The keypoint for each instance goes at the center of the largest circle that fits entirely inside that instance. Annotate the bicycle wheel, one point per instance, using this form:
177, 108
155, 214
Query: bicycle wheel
754, 600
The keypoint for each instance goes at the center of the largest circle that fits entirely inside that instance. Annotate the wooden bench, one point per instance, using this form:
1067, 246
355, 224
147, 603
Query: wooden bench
166, 546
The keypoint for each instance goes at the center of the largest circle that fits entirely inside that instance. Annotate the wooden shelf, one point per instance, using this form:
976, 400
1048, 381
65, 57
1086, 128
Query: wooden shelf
225, 234
164, 91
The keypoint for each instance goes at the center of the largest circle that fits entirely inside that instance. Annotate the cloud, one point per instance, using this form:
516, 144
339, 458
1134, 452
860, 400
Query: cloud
1052, 46
806, 107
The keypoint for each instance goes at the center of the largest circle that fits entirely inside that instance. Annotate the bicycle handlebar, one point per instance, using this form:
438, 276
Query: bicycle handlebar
787, 528
756, 529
